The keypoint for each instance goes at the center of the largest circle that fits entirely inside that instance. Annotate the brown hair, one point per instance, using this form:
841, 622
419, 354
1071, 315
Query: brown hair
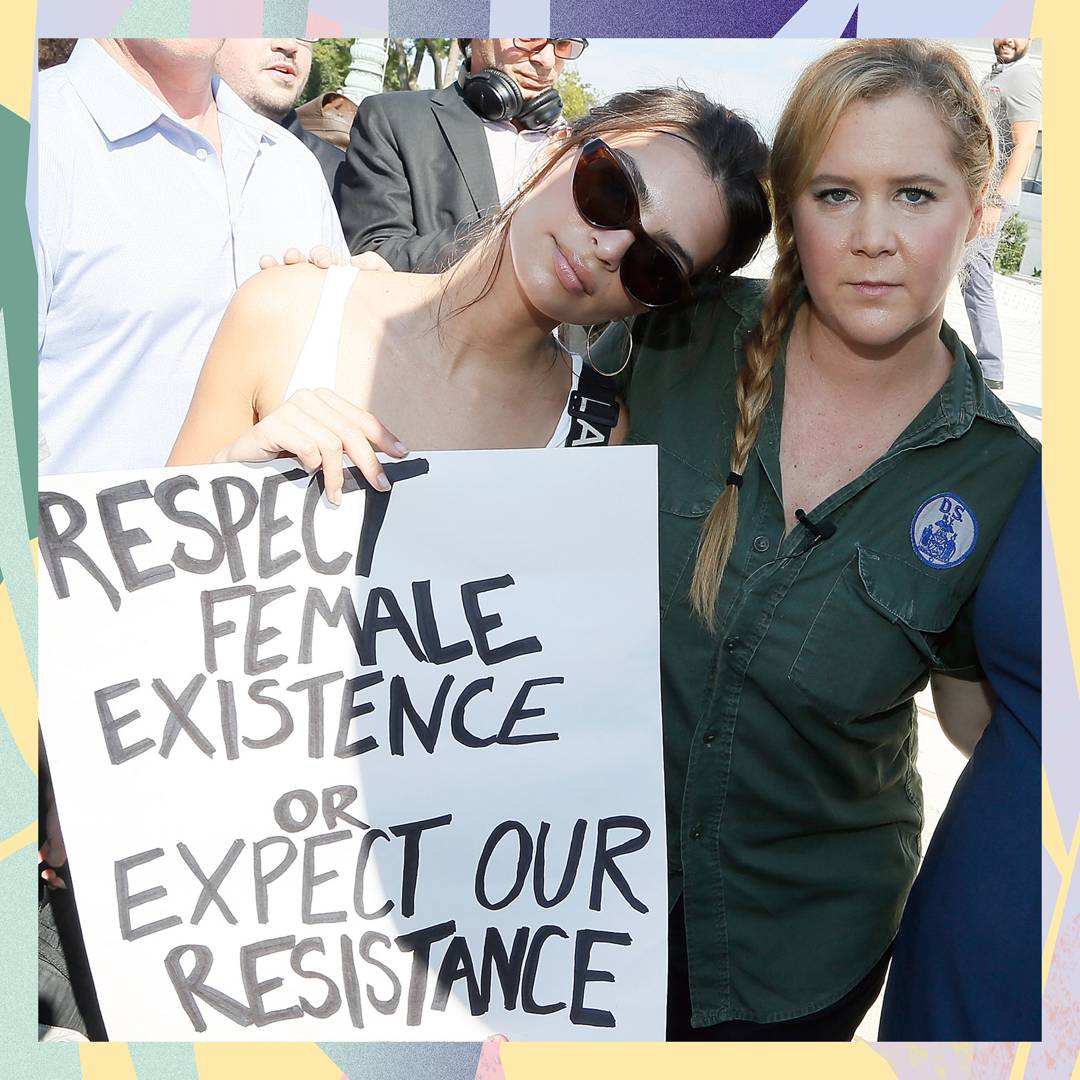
731, 150
855, 71
53, 51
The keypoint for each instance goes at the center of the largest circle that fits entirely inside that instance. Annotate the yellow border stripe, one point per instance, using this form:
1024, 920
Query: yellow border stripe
1059, 907
1067, 872
18, 697
808, 1061
106, 1061
267, 1061
18, 841
1061, 233
16, 75
1067, 868
1053, 839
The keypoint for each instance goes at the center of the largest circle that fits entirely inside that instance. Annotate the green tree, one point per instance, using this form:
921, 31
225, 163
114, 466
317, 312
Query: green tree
578, 96
1010, 249
330, 60
406, 60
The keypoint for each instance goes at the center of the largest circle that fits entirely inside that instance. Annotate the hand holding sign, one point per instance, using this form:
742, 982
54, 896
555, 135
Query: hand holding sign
318, 427
52, 854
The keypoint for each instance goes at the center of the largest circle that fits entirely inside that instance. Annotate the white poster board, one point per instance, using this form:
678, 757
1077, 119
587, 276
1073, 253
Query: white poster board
391, 770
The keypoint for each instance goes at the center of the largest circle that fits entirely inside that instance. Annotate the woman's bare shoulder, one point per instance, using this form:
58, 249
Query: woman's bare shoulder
251, 358
268, 321
279, 294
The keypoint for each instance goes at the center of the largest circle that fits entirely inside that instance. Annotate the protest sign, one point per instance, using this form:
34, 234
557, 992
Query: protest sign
388, 770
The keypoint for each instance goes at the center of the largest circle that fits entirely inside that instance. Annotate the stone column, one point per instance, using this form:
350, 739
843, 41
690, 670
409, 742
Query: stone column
365, 69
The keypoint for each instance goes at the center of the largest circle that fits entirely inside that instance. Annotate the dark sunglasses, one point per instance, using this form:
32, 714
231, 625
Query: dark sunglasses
565, 48
606, 197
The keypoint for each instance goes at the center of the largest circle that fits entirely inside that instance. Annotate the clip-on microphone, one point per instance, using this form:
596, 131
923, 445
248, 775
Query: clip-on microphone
819, 532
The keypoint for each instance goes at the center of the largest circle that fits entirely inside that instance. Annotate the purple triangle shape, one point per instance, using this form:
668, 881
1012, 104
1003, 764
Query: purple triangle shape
852, 28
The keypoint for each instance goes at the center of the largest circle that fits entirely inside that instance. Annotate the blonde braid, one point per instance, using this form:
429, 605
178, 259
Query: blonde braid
753, 389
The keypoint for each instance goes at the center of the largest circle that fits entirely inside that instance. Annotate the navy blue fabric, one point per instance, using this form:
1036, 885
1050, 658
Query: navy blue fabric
676, 18
966, 966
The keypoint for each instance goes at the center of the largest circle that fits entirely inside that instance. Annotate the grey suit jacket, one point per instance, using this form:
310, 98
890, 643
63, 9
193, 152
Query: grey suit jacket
417, 167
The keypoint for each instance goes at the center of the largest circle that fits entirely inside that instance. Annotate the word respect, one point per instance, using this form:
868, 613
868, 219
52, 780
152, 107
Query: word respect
63, 519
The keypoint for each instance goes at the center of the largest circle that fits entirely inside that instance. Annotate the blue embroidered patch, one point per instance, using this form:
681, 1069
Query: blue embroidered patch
944, 531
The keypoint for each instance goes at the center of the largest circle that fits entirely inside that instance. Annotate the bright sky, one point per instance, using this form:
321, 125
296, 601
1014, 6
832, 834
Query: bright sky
751, 75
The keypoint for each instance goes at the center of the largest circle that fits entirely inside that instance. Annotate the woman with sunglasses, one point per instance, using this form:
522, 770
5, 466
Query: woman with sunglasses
650, 192
833, 475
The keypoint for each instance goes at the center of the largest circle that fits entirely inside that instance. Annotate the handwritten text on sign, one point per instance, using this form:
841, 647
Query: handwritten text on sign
389, 770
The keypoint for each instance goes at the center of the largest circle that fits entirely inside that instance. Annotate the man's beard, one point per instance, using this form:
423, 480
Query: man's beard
1018, 55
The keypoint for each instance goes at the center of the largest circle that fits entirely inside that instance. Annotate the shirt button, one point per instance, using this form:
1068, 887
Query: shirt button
709, 738
761, 543
695, 833
201, 153
731, 644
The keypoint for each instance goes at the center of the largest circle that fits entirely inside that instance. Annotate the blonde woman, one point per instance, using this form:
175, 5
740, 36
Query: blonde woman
833, 475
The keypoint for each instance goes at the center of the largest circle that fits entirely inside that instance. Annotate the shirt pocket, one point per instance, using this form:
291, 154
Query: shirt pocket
870, 645
686, 497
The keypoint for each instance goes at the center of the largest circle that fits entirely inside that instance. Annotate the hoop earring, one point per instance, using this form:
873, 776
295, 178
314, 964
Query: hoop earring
622, 367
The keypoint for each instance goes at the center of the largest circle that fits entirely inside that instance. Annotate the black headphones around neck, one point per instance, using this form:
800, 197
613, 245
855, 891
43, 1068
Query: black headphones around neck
493, 95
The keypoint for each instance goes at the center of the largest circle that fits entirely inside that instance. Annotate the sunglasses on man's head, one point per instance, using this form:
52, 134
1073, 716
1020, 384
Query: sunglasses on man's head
565, 48
606, 196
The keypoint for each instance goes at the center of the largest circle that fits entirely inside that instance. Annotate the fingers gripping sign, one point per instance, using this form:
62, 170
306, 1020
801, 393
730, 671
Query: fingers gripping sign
319, 427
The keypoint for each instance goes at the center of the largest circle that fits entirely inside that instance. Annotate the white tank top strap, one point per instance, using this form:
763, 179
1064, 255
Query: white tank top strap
563, 428
316, 366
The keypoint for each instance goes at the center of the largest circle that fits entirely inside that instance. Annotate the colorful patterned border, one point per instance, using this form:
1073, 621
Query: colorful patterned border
20, 1055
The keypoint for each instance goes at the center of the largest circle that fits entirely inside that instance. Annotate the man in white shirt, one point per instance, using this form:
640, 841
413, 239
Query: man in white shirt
158, 191
1013, 92
421, 163
270, 74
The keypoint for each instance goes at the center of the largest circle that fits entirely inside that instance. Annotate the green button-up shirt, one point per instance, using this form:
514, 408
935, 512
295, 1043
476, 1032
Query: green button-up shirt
794, 803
